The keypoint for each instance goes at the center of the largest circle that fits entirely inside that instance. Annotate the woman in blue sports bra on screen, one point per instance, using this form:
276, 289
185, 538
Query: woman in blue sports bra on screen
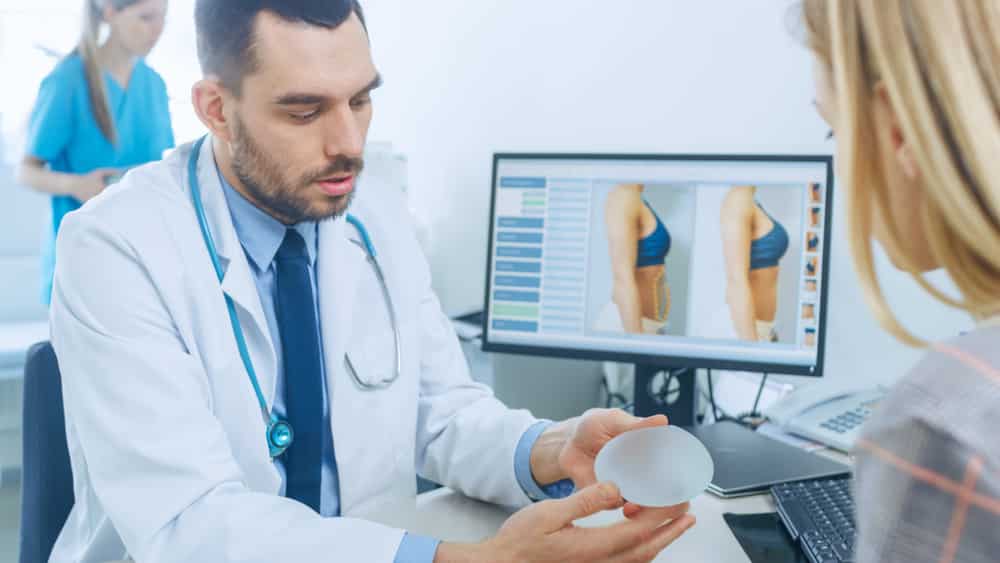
98, 113
638, 243
753, 245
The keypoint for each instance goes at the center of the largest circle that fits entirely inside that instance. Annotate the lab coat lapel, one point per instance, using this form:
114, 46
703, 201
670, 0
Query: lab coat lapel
237, 281
338, 273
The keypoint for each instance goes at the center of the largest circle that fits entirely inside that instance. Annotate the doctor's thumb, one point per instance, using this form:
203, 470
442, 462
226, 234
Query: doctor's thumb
649, 422
591, 500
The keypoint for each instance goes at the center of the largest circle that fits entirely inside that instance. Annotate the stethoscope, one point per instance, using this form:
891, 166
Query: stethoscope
280, 434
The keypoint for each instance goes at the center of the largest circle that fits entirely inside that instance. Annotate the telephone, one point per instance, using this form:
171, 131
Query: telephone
833, 419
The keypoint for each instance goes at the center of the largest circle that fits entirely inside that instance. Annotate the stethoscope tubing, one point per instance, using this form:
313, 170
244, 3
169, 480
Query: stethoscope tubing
271, 420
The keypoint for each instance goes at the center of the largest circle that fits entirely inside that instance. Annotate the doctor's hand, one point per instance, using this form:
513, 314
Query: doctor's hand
544, 533
569, 449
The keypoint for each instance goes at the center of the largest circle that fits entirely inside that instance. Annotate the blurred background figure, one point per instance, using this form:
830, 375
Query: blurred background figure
100, 111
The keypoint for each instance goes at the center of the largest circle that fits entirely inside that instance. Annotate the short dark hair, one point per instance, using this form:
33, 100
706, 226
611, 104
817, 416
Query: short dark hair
225, 30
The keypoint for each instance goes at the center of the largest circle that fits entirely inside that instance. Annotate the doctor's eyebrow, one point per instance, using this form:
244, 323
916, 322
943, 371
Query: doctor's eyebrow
302, 99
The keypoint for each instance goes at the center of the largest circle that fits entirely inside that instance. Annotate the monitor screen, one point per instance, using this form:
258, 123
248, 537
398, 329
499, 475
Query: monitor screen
674, 260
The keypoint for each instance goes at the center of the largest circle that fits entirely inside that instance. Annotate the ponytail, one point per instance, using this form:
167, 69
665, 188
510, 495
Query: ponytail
96, 89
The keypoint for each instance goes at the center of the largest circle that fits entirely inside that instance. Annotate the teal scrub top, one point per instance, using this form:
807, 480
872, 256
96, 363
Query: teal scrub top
64, 133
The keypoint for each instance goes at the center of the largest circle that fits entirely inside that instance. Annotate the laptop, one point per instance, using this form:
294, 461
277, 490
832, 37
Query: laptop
748, 463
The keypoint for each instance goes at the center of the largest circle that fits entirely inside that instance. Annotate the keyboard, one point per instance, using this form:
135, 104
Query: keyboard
819, 515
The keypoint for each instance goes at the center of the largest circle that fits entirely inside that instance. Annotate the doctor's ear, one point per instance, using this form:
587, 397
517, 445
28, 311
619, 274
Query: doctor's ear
210, 98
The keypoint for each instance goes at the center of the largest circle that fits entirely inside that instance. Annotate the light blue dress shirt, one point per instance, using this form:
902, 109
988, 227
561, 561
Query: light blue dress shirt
261, 236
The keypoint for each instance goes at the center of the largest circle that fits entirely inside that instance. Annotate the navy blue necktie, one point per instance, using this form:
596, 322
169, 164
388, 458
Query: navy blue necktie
296, 311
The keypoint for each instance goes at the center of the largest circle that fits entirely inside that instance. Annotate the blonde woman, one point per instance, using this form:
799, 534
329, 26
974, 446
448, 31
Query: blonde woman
638, 243
912, 90
753, 245
99, 112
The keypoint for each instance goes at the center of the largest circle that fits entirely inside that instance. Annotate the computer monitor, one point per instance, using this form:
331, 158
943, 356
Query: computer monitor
683, 261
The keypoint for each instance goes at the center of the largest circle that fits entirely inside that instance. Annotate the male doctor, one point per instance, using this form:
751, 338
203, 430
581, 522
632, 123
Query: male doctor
166, 434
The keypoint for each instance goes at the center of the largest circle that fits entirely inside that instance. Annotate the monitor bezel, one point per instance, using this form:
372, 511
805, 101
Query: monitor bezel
669, 362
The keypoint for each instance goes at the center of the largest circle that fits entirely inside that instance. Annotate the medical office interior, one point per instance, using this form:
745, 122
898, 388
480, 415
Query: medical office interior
465, 81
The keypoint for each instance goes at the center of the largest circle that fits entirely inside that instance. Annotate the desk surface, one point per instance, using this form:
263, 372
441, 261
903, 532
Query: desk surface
449, 516
15, 339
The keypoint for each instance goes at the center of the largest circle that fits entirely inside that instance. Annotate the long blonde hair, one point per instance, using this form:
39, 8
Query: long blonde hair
93, 17
939, 62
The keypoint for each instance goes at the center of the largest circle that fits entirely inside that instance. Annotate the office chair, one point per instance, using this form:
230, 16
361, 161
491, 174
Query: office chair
47, 478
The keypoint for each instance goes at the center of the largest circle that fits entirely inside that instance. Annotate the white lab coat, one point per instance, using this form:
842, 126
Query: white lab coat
165, 435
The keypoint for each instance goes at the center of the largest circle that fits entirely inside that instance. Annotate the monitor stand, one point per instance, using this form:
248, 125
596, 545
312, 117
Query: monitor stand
671, 392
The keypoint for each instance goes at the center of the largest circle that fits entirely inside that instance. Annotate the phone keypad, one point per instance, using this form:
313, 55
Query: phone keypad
848, 421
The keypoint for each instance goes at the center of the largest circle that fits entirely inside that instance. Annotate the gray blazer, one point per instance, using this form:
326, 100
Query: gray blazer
928, 464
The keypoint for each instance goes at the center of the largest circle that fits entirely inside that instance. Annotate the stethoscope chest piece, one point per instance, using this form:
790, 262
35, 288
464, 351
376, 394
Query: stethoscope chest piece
279, 437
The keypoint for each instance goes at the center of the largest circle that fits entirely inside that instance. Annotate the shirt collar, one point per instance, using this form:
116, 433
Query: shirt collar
259, 233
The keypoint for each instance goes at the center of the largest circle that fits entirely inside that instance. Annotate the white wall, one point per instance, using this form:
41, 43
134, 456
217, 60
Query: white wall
465, 79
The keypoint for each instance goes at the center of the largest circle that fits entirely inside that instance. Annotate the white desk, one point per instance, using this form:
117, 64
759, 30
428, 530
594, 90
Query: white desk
15, 339
450, 516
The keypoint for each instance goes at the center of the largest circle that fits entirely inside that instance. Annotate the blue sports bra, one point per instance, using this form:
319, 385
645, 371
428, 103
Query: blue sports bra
653, 249
769, 249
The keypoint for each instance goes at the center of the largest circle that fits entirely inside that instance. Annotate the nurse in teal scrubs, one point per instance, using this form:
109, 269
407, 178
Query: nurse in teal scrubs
100, 112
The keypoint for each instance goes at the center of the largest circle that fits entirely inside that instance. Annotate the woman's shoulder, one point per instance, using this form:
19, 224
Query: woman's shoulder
909, 479
932, 437
954, 390
68, 72
150, 74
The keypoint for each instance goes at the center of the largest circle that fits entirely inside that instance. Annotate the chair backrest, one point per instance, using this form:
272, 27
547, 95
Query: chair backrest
47, 477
